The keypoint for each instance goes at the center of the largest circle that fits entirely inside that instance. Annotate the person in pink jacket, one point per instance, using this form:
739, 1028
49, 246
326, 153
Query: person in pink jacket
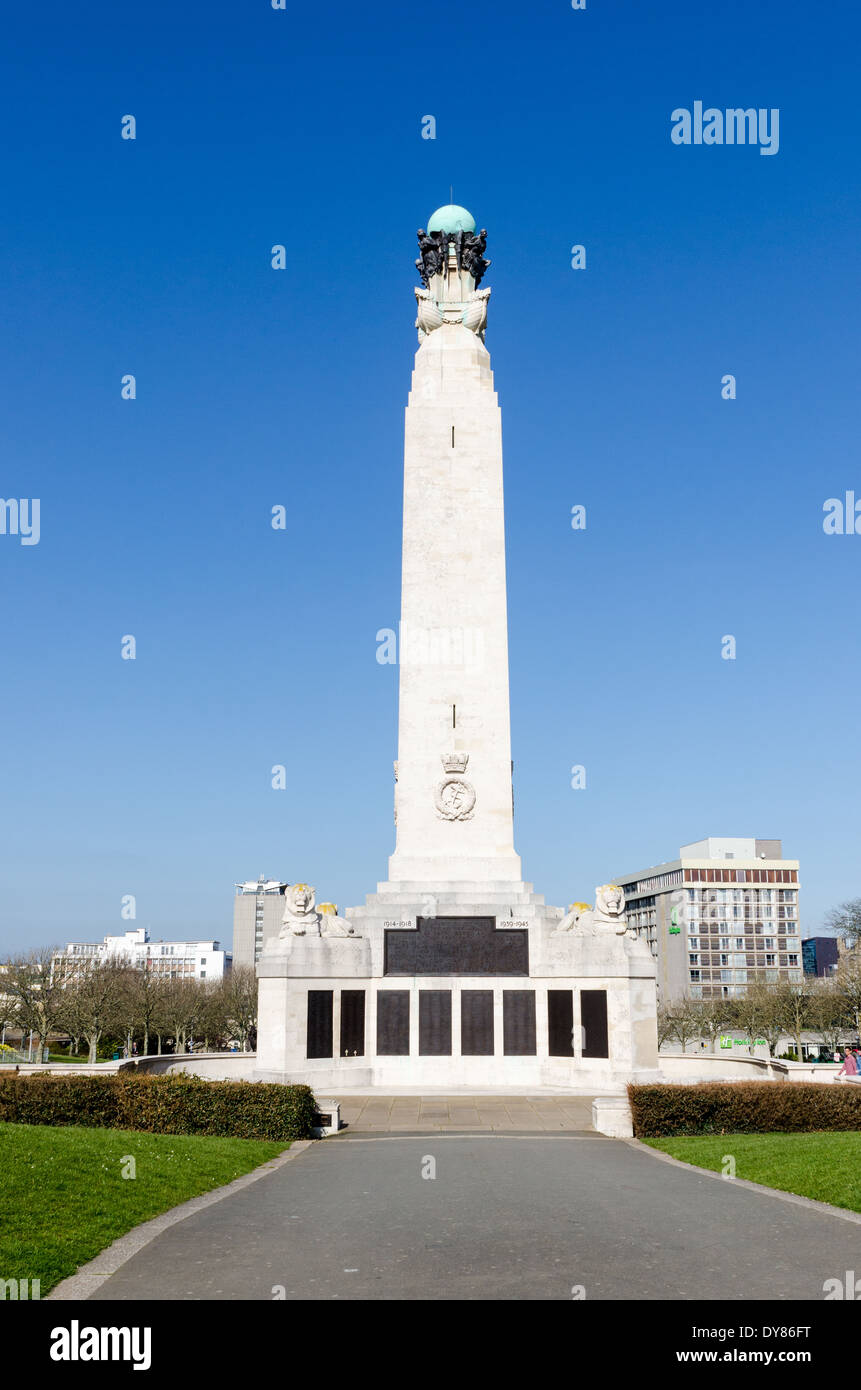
850, 1066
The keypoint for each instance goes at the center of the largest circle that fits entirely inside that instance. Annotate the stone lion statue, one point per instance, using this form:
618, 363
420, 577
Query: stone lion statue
608, 914
301, 917
610, 908
299, 913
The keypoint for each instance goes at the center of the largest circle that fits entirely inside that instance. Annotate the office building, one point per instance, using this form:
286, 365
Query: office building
722, 915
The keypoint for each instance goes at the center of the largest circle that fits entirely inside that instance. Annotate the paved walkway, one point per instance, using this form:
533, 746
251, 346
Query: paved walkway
419, 1114
505, 1217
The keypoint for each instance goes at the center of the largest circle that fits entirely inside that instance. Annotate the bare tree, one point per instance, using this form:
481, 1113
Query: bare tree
36, 988
239, 995
848, 981
144, 993
846, 920
665, 1024
91, 1002
795, 1007
830, 1014
180, 1009
757, 1014
711, 1017
8, 1008
683, 1022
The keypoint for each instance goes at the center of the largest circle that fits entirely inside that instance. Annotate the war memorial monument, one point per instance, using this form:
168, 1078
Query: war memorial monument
454, 972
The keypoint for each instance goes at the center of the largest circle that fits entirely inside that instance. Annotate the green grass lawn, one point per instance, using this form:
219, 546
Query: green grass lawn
63, 1197
826, 1167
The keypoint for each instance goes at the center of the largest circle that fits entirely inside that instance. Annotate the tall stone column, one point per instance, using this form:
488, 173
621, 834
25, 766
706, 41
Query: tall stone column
454, 789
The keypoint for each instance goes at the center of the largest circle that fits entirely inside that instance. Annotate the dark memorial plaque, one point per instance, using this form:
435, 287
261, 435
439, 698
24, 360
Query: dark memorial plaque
457, 946
319, 1038
560, 1022
393, 1023
476, 1023
435, 1022
593, 1016
518, 1022
352, 1023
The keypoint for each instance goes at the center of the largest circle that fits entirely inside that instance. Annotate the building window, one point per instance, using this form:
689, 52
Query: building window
695, 975
693, 960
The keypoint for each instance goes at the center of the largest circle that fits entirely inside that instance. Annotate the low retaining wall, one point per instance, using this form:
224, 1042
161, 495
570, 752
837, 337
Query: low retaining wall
691, 1067
210, 1066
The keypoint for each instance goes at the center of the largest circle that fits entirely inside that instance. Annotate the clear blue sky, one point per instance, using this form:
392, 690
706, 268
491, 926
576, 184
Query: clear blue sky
257, 387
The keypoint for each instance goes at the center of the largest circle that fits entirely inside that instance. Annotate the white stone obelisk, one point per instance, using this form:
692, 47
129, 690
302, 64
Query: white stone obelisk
454, 785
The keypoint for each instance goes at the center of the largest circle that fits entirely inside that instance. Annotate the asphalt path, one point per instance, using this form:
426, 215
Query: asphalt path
548, 1217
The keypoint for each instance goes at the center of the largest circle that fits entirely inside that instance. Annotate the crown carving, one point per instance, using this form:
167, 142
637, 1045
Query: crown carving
455, 762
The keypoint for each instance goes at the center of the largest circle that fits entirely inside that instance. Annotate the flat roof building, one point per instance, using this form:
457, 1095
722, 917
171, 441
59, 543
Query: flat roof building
722, 915
186, 960
257, 911
820, 955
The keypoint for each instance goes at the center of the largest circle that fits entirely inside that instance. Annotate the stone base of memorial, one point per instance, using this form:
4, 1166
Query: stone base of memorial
439, 991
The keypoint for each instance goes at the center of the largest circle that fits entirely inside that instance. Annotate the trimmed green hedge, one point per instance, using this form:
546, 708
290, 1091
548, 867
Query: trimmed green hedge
161, 1105
744, 1107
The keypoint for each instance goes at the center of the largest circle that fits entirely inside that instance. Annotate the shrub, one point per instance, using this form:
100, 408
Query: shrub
744, 1107
161, 1105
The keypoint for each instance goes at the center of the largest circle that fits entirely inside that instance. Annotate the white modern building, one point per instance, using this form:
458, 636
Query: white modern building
722, 915
175, 960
